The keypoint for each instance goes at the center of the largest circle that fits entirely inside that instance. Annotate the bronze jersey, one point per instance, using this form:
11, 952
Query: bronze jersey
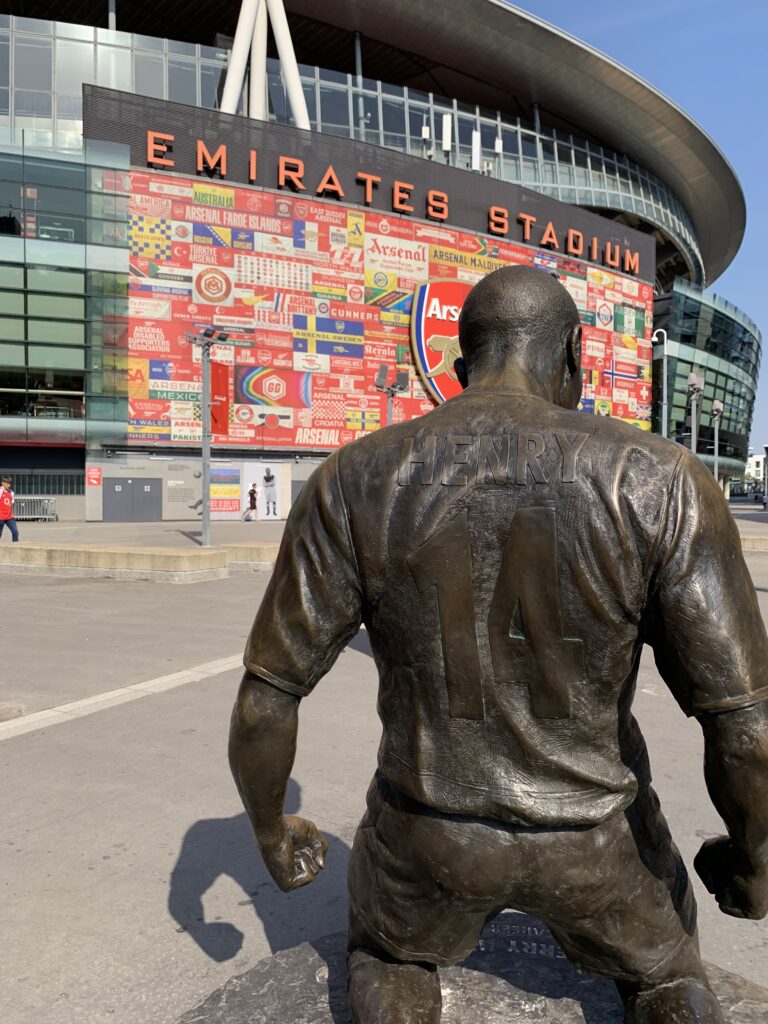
509, 559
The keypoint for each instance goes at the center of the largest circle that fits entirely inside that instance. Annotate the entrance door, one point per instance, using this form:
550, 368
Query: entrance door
132, 500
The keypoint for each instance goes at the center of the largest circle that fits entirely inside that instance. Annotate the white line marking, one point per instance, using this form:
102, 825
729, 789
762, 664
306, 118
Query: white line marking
81, 708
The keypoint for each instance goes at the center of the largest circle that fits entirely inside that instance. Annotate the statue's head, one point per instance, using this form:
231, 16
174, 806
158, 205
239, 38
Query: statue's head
522, 318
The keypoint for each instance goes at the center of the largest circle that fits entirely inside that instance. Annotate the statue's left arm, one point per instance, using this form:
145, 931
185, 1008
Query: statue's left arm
310, 611
734, 868
708, 636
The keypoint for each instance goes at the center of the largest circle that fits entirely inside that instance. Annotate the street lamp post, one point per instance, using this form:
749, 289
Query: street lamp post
717, 412
398, 385
664, 404
695, 388
207, 337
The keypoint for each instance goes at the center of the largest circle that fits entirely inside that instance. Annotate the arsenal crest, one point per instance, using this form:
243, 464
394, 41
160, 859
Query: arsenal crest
435, 335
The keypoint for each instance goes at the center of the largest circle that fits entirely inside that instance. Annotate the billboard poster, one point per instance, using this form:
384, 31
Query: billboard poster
314, 296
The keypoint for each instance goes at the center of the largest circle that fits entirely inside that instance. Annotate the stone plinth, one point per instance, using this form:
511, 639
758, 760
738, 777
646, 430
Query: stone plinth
174, 565
518, 974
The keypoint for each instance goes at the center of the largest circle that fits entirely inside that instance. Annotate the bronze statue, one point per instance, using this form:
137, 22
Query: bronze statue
509, 557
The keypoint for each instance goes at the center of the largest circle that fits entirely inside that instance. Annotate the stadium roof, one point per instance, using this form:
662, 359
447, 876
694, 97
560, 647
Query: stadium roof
486, 52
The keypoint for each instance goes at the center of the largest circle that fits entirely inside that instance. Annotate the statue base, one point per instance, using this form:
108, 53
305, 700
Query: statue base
518, 973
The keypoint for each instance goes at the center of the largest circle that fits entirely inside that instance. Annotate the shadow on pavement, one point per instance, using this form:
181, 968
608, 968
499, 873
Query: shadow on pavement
225, 846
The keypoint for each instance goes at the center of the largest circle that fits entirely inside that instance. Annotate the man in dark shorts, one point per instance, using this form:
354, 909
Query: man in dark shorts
509, 557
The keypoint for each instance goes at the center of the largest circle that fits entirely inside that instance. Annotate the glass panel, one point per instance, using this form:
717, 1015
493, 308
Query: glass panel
58, 228
51, 172
32, 63
308, 88
105, 35
74, 65
393, 122
54, 306
39, 198
210, 77
60, 334
11, 330
59, 358
12, 302
277, 101
370, 112
185, 49
149, 75
334, 110
33, 25
13, 379
70, 107
49, 280
33, 104
11, 355
114, 68
149, 43
11, 277
182, 82
11, 168
65, 31
5, 66
326, 75
529, 145
108, 232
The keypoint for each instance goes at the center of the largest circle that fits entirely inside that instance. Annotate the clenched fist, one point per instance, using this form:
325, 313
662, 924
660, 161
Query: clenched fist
296, 856
740, 889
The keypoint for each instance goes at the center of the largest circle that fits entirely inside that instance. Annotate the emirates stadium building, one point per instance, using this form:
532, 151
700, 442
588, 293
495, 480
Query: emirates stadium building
322, 192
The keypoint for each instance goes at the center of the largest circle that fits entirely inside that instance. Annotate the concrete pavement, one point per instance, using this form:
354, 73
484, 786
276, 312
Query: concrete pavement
131, 886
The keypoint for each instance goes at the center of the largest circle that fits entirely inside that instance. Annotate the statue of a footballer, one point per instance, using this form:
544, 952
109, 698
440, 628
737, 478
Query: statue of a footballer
509, 557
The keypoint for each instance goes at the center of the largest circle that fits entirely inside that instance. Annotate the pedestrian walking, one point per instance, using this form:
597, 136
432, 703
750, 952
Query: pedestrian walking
6, 509
251, 514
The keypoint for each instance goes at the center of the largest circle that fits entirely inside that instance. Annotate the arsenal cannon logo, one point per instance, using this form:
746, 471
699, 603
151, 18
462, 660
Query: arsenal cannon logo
435, 335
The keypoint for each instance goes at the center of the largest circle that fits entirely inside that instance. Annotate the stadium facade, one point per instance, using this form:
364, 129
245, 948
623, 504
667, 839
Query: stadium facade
148, 193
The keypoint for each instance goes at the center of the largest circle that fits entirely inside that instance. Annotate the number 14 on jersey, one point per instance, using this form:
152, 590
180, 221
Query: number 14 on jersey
525, 626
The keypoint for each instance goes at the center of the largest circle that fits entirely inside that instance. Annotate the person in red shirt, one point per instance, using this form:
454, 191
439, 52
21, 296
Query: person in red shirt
6, 509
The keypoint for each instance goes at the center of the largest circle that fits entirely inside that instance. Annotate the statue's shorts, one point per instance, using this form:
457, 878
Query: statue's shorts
616, 896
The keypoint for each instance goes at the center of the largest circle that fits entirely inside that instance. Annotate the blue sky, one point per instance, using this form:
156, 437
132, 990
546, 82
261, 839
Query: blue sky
711, 58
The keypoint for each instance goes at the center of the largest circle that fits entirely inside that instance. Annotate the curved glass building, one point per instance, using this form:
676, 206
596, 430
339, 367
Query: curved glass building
484, 88
711, 338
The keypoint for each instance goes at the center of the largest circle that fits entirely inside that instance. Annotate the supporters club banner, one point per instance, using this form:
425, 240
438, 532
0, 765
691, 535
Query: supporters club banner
314, 297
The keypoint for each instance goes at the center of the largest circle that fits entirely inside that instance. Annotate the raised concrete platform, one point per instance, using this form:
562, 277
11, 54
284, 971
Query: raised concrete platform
119, 562
248, 557
126, 562
754, 543
517, 974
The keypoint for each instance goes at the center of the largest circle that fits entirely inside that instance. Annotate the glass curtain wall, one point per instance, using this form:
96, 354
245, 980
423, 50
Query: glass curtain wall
43, 66
63, 299
715, 340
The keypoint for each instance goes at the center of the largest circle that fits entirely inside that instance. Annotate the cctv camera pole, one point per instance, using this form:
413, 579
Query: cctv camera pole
717, 412
664, 402
205, 353
203, 341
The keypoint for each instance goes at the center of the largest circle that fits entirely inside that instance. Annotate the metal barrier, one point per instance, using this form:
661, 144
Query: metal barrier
34, 508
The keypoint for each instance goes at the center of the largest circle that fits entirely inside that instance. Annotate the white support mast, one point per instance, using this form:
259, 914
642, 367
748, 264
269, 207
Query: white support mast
257, 88
238, 58
251, 34
287, 57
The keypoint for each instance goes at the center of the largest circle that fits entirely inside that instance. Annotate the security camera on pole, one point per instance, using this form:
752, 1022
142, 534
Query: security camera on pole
398, 385
717, 412
695, 390
207, 337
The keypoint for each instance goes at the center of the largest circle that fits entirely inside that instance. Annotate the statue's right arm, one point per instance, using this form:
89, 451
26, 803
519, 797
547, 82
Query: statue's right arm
262, 747
734, 868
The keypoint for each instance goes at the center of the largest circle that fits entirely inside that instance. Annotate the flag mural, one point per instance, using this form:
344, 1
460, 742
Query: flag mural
314, 296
